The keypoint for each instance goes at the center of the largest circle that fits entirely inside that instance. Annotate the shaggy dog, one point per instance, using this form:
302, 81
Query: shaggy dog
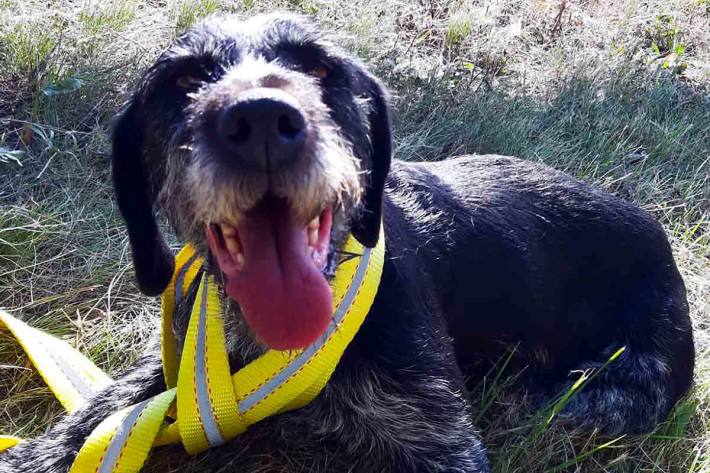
265, 146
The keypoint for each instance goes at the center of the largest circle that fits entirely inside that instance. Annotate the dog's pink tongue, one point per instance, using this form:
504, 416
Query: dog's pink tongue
285, 299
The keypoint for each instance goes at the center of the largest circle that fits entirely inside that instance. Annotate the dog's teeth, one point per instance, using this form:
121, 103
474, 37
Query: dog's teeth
231, 239
228, 231
232, 245
239, 259
232, 242
312, 236
312, 230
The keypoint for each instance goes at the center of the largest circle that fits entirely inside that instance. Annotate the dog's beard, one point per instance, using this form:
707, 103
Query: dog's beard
328, 174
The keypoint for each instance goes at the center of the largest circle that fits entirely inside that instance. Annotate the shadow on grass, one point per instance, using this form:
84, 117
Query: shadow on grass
644, 136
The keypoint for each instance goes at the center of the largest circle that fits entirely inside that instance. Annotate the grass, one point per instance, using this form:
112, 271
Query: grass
616, 93
189, 12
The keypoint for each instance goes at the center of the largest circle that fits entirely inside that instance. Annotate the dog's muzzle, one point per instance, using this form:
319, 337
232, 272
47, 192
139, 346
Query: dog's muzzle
265, 182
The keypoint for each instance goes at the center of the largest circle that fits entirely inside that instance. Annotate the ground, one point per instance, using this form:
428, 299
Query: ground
617, 93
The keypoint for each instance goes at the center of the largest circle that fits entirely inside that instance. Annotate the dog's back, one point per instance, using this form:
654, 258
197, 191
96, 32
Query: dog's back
515, 251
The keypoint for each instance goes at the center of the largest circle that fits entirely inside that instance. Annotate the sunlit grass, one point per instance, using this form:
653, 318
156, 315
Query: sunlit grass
614, 93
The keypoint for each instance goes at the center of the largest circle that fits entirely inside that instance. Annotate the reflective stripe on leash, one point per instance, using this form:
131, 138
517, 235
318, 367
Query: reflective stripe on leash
70, 375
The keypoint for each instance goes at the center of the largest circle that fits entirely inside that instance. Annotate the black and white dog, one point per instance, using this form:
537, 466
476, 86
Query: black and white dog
265, 145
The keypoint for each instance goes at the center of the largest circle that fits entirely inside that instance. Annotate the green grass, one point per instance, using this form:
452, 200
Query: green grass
190, 12
114, 18
615, 92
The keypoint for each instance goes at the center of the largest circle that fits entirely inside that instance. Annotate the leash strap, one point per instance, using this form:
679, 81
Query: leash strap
213, 406
122, 442
71, 376
7, 441
206, 403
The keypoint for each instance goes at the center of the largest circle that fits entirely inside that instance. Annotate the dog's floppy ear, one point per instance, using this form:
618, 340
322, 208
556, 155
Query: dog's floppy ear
366, 228
152, 259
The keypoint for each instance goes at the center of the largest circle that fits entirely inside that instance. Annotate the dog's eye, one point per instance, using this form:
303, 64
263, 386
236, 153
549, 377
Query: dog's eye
319, 72
189, 81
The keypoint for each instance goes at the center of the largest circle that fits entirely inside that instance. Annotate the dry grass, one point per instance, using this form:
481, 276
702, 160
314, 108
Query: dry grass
615, 92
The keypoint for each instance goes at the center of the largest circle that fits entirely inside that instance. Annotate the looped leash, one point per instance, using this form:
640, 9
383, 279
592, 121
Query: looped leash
70, 375
213, 406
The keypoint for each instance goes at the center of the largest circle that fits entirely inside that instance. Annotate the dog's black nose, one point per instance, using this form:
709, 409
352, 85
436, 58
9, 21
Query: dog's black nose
263, 130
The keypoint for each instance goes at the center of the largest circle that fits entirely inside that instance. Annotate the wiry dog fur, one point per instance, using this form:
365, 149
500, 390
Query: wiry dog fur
483, 252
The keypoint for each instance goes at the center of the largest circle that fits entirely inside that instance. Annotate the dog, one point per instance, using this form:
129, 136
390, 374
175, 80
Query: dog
265, 145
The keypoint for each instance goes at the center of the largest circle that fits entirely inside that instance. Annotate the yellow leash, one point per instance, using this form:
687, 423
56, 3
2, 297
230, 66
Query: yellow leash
212, 405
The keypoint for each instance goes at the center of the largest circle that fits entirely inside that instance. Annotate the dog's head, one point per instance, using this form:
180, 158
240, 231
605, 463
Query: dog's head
265, 145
